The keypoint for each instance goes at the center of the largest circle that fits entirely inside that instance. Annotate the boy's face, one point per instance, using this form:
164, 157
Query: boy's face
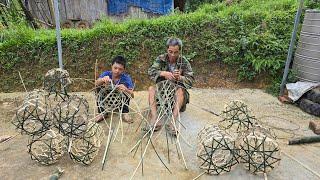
117, 69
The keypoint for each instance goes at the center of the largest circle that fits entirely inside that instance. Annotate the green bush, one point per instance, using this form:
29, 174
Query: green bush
252, 37
192, 5
12, 15
313, 4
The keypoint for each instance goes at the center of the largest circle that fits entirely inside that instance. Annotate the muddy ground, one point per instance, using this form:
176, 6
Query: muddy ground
15, 162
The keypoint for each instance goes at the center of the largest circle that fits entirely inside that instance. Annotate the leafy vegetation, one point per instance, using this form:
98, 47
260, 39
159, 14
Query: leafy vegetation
313, 4
251, 36
192, 5
11, 14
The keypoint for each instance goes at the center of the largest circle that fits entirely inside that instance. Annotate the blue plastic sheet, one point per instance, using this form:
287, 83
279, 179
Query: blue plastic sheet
116, 7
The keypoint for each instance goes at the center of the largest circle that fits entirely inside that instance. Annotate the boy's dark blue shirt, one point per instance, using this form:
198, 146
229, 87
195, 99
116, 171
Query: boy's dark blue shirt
125, 79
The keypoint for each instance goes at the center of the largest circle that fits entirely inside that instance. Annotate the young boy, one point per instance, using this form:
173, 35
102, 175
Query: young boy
122, 82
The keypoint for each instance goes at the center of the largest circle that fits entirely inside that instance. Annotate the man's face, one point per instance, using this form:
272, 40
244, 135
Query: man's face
173, 52
117, 69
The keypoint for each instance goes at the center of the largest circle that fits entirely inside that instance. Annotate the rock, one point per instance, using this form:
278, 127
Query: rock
56, 174
315, 127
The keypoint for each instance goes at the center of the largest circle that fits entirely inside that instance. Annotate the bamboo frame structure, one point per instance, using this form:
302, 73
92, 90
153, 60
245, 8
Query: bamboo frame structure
85, 148
71, 117
217, 150
237, 117
165, 101
260, 153
56, 81
54, 124
48, 148
33, 117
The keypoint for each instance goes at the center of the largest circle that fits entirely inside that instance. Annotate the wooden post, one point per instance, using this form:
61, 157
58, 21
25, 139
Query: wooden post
180, 4
50, 5
28, 15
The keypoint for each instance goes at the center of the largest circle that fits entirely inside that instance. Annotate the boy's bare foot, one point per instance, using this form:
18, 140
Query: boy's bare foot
101, 117
126, 118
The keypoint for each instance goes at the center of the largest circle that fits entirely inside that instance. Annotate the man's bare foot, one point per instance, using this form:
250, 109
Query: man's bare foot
171, 130
156, 125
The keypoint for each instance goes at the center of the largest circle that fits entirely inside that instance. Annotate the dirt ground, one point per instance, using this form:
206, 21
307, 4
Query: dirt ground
15, 162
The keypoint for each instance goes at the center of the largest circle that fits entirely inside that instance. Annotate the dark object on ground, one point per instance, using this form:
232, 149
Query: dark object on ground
310, 107
314, 95
56, 174
315, 127
311, 139
4, 138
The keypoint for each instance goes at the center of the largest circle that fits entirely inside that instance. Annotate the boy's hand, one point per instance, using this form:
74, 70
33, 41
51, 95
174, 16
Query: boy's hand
106, 79
121, 87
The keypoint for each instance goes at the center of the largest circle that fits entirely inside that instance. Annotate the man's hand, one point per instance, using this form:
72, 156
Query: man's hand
121, 87
167, 75
177, 74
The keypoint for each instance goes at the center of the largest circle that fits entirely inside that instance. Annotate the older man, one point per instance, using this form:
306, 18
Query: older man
171, 66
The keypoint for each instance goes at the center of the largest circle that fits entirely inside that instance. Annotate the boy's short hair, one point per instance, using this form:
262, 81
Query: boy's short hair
119, 60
